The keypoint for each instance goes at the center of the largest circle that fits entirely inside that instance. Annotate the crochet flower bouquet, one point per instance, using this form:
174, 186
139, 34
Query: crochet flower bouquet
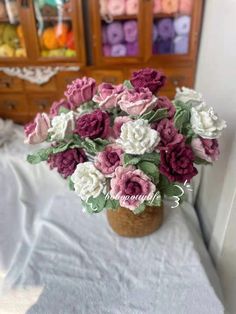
124, 146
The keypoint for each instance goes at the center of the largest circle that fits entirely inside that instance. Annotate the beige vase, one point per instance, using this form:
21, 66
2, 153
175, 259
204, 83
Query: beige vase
127, 224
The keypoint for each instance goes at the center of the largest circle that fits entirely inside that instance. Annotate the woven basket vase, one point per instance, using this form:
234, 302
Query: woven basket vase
127, 224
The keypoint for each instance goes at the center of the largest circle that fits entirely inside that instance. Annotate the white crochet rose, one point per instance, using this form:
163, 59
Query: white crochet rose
205, 122
88, 181
137, 137
185, 94
62, 125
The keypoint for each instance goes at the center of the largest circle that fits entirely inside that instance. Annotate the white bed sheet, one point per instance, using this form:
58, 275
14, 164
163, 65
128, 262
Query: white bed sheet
55, 258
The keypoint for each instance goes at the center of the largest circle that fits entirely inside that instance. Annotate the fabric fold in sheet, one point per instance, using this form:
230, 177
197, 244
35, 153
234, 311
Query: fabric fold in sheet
80, 265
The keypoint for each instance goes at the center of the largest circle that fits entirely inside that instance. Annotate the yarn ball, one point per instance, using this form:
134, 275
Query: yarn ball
70, 41
70, 53
6, 51
56, 53
61, 32
20, 53
20, 34
49, 38
10, 36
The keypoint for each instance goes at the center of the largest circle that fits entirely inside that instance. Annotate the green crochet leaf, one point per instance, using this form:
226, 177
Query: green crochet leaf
70, 183
40, 155
139, 209
135, 159
128, 84
112, 204
182, 116
150, 170
62, 109
94, 146
169, 189
155, 115
200, 161
95, 205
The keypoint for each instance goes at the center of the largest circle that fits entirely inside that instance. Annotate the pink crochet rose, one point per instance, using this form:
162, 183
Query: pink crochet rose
177, 163
93, 125
109, 159
164, 102
80, 91
150, 78
108, 95
168, 133
206, 149
66, 161
37, 131
54, 110
137, 101
131, 186
118, 122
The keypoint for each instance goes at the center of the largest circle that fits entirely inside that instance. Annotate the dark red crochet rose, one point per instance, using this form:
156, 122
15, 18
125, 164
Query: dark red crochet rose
177, 163
93, 125
168, 133
164, 102
150, 78
66, 161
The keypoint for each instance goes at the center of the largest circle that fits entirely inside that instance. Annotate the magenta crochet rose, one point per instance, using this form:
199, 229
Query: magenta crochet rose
108, 95
118, 122
80, 91
164, 102
150, 78
168, 133
136, 102
66, 161
177, 163
56, 105
93, 125
37, 131
206, 149
108, 160
131, 186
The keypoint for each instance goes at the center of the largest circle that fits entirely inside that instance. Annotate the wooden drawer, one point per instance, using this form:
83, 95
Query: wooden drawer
50, 86
108, 76
11, 105
40, 103
10, 83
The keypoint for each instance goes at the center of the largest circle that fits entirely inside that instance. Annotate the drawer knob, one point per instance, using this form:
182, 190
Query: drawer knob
5, 83
43, 104
176, 82
10, 105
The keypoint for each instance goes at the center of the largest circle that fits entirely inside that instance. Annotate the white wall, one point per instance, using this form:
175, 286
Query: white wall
216, 79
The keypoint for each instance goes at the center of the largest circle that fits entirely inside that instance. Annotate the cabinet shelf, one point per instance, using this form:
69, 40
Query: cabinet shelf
123, 17
54, 18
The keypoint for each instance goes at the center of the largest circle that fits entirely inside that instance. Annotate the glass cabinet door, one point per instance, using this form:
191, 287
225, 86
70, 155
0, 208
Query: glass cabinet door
55, 28
119, 30
171, 29
12, 39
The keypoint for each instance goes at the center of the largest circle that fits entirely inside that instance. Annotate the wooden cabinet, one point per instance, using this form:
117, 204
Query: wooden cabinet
120, 38
41, 33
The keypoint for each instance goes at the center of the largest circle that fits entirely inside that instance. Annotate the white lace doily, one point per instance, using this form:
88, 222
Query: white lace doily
36, 75
6, 131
